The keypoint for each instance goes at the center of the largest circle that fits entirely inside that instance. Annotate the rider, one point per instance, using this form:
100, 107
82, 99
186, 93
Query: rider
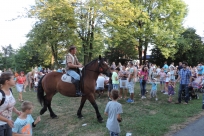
72, 66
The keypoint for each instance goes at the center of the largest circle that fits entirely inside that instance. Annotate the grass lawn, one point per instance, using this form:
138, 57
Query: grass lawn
143, 118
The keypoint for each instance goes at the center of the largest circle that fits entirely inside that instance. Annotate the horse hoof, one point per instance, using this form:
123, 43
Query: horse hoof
42, 112
100, 121
80, 116
54, 117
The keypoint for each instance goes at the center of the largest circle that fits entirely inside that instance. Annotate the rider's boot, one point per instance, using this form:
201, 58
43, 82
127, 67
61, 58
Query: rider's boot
77, 86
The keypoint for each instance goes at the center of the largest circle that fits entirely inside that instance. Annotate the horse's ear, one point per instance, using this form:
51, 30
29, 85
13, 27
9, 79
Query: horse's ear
99, 57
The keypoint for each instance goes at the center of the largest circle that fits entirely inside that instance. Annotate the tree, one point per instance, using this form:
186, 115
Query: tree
158, 22
189, 48
7, 56
55, 27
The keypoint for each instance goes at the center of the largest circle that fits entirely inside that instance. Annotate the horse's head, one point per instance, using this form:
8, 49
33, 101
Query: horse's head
103, 65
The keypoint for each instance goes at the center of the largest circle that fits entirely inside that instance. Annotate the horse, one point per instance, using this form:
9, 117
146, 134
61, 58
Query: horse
51, 83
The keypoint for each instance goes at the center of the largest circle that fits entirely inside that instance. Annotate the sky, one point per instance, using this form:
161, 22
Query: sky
14, 32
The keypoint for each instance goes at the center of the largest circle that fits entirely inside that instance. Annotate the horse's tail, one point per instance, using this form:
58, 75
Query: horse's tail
40, 92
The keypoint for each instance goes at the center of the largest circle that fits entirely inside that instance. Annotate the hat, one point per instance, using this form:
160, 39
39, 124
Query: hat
72, 47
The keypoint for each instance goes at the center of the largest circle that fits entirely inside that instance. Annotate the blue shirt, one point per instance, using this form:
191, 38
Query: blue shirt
184, 76
165, 67
23, 126
154, 86
200, 70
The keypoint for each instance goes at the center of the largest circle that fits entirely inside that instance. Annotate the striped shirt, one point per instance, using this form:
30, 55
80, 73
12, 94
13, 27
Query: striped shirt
184, 76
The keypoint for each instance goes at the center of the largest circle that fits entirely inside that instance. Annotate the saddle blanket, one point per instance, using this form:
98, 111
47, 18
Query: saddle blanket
66, 78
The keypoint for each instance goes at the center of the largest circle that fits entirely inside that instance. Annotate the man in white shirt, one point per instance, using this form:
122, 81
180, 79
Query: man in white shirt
100, 84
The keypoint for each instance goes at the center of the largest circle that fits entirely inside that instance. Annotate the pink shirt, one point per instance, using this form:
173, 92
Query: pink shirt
162, 75
145, 74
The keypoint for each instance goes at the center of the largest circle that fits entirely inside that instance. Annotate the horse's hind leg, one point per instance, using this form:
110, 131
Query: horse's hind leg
52, 114
93, 102
44, 109
83, 100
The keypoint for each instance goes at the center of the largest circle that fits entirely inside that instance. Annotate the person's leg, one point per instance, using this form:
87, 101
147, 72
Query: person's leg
179, 93
121, 92
161, 86
75, 81
2, 130
21, 97
132, 91
186, 93
141, 88
8, 131
125, 93
144, 88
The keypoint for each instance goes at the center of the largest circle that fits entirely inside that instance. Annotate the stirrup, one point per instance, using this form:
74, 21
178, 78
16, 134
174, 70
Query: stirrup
78, 94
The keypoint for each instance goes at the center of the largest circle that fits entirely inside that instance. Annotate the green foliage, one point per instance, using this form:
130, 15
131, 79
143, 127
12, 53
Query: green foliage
7, 57
55, 28
189, 48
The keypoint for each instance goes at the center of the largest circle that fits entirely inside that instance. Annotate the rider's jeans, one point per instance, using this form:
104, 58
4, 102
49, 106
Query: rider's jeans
73, 74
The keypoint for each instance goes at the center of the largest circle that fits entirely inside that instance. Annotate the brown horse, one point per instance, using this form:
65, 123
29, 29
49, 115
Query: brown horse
52, 83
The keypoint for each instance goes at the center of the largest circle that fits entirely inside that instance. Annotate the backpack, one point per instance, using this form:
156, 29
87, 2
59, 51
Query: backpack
4, 96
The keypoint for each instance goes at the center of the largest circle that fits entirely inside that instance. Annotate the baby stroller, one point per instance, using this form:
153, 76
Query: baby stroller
192, 94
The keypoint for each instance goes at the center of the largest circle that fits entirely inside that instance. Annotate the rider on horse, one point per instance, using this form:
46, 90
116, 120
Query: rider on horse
72, 67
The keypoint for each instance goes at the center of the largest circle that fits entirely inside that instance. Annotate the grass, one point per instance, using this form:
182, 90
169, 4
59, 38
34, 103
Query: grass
142, 118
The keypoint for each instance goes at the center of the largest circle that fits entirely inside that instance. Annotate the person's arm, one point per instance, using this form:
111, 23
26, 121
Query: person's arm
119, 118
70, 65
36, 121
178, 78
106, 113
9, 122
16, 111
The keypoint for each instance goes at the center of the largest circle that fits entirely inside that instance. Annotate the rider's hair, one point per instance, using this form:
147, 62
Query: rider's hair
114, 94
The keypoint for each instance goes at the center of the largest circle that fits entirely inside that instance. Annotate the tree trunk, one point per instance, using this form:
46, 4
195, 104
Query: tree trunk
140, 51
145, 50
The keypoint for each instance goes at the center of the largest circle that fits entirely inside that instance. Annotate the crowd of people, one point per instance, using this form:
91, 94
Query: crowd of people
122, 79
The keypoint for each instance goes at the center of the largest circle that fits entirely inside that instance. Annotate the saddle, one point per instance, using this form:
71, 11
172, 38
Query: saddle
67, 78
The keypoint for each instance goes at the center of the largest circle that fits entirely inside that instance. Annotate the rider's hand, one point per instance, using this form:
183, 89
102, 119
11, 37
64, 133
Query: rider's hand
79, 66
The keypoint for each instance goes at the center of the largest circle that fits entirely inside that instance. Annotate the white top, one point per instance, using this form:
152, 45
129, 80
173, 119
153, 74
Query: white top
36, 83
100, 81
168, 77
158, 70
7, 107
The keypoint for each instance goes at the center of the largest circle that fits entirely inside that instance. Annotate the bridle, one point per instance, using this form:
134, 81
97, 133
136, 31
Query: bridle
100, 68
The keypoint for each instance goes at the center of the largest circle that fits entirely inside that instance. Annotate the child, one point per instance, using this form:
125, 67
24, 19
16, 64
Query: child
8, 104
36, 85
171, 88
162, 75
153, 92
113, 110
24, 123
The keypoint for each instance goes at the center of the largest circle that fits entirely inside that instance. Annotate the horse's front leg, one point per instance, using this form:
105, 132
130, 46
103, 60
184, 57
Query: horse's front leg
83, 100
93, 102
